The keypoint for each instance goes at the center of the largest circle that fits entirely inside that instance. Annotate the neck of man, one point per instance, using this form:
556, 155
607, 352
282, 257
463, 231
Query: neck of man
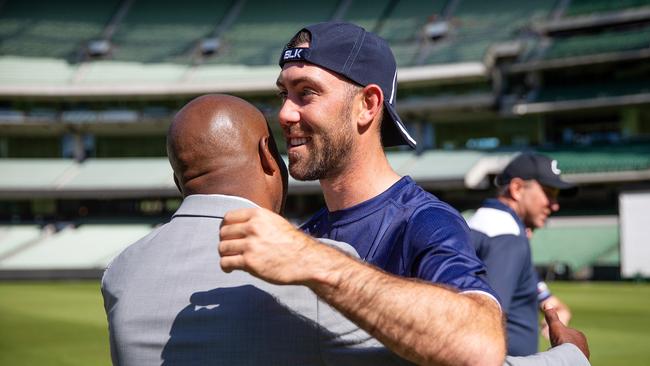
512, 204
366, 176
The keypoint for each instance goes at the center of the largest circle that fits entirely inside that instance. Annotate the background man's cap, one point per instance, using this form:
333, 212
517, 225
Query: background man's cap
538, 167
362, 57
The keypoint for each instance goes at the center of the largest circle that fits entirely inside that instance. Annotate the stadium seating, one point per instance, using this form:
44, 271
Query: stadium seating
51, 29
366, 16
33, 174
403, 26
614, 158
585, 7
165, 31
576, 244
16, 70
476, 24
435, 166
263, 27
87, 247
14, 237
590, 90
599, 43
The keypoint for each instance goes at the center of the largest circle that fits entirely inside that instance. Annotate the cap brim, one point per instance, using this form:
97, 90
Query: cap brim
393, 131
566, 188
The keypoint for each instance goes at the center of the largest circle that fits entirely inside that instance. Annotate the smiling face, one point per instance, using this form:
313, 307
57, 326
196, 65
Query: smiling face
316, 118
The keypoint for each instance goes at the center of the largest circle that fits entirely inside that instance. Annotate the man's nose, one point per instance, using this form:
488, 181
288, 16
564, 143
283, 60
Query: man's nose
555, 206
288, 113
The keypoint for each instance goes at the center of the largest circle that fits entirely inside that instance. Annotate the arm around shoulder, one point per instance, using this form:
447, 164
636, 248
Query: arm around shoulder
422, 322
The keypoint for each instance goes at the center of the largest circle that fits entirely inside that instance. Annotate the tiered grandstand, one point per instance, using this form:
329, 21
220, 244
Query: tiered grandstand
87, 91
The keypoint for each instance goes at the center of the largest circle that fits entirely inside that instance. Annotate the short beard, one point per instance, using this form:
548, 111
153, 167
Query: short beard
333, 155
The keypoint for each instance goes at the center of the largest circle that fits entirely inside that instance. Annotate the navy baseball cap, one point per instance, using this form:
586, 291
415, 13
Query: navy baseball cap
538, 167
362, 57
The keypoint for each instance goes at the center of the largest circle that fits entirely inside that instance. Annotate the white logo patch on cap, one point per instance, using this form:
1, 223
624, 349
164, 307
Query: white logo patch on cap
293, 54
554, 168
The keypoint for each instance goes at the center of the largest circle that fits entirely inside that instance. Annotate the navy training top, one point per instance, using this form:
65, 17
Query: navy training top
499, 237
408, 232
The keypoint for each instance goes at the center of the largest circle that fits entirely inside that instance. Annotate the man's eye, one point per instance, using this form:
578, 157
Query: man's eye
282, 94
306, 92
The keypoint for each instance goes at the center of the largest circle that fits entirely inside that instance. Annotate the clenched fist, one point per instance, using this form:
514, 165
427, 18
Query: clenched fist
267, 246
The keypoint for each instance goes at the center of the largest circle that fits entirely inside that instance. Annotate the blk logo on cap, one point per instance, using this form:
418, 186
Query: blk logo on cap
293, 54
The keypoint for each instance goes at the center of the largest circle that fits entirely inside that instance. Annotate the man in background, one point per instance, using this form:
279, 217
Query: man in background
528, 190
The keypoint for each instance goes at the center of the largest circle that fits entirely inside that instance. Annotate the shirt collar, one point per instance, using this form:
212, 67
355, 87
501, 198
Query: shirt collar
367, 207
498, 205
211, 205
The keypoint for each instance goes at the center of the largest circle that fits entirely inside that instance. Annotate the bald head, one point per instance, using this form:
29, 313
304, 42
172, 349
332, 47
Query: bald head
221, 144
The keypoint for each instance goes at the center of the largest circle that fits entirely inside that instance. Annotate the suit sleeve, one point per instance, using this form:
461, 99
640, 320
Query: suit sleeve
564, 355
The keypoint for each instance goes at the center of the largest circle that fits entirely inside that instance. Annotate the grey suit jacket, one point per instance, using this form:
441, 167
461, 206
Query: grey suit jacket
564, 355
168, 302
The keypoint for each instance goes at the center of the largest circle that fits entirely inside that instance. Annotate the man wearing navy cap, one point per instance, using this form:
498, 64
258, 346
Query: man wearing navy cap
528, 192
338, 85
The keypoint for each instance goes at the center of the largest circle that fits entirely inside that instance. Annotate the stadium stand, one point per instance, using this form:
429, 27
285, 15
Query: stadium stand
402, 27
591, 90
477, 24
13, 238
86, 247
366, 16
51, 29
166, 31
604, 159
599, 43
576, 242
583, 7
34, 174
262, 28
478, 82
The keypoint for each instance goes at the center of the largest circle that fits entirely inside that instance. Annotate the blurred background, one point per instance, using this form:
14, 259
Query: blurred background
88, 89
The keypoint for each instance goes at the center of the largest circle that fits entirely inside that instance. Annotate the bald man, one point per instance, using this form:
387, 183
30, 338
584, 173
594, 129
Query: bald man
167, 300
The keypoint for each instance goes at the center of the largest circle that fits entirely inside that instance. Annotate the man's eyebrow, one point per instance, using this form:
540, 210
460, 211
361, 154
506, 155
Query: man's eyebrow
304, 79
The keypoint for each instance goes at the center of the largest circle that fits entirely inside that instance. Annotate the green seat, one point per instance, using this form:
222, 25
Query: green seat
625, 157
600, 43
166, 31
52, 29
263, 28
476, 24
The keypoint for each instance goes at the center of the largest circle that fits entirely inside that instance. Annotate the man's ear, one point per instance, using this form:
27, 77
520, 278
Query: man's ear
371, 102
516, 187
266, 157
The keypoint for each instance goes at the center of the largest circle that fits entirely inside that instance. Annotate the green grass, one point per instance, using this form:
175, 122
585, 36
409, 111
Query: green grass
63, 323
615, 317
52, 323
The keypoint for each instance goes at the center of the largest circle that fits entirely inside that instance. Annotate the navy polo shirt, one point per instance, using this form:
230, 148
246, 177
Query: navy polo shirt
499, 237
408, 232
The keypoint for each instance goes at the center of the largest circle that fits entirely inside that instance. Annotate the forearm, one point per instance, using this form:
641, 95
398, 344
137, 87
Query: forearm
424, 323
421, 322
